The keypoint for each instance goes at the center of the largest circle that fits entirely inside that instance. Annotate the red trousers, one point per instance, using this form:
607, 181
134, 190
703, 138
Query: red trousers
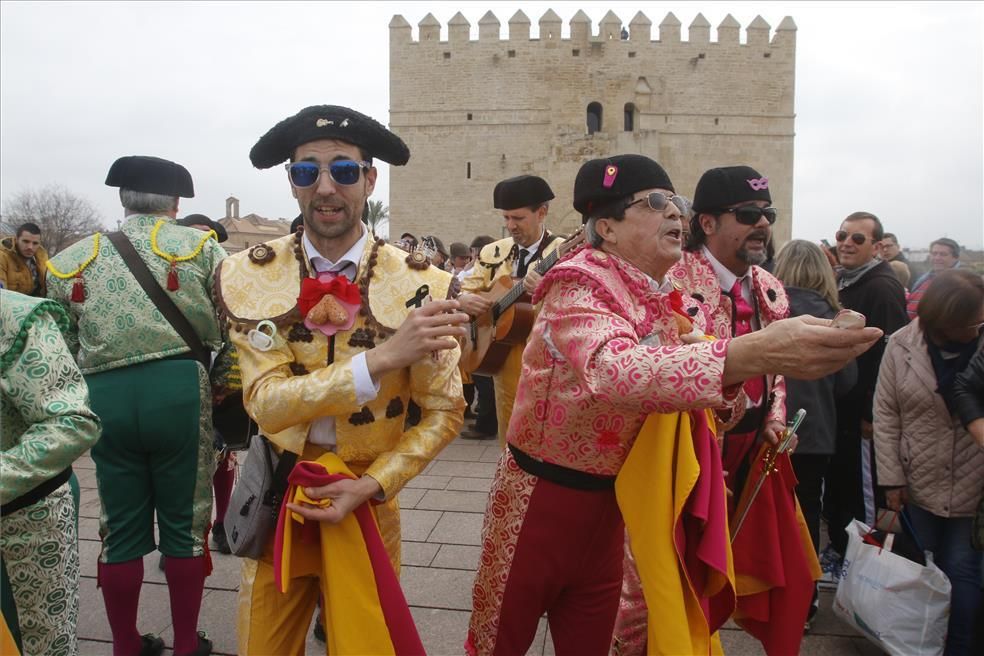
546, 548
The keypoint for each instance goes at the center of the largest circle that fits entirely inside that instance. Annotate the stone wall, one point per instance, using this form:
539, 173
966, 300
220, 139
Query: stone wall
476, 111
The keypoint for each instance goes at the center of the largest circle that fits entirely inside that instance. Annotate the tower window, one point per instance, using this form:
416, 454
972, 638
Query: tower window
629, 118
447, 55
594, 117
468, 171
511, 53
469, 116
576, 52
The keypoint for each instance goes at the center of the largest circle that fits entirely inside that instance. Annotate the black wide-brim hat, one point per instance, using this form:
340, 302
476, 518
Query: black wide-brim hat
151, 175
727, 186
521, 191
201, 219
328, 122
602, 182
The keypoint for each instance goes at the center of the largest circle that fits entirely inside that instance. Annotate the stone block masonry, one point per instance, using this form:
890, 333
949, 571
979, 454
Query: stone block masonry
475, 111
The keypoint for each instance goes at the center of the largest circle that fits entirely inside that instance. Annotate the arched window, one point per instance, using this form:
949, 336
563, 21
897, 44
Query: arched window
594, 117
630, 112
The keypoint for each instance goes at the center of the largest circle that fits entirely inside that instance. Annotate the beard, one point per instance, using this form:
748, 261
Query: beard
756, 257
341, 226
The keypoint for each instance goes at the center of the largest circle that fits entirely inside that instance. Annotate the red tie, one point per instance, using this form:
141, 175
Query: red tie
743, 325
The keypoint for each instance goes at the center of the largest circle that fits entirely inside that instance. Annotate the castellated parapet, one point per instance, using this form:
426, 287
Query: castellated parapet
476, 111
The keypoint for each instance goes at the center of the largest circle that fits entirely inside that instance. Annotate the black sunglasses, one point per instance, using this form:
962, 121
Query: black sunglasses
659, 201
344, 172
856, 237
749, 214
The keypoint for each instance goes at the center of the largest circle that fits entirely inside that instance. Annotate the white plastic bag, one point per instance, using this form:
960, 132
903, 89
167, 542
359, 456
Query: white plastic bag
897, 604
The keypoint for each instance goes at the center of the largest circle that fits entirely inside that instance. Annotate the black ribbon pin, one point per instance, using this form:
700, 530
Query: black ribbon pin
422, 293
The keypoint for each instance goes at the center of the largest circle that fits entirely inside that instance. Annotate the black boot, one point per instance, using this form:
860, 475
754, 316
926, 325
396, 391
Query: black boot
151, 645
219, 538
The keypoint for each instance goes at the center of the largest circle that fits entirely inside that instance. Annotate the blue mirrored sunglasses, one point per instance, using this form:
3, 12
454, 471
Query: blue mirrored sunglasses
343, 171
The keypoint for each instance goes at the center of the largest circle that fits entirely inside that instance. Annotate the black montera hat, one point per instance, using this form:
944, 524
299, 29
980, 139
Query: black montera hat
727, 186
521, 191
151, 175
201, 219
601, 182
328, 122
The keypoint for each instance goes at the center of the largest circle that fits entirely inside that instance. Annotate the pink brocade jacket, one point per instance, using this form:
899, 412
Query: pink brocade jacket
695, 275
605, 352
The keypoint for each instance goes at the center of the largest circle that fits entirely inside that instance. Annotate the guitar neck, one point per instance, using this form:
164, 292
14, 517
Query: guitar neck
516, 292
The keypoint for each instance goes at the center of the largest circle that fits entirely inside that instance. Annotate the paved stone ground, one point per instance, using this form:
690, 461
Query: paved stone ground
442, 518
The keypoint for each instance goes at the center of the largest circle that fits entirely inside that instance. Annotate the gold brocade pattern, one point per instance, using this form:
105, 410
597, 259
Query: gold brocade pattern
284, 404
494, 262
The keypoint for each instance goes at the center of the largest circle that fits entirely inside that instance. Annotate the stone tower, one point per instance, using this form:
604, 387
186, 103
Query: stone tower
477, 111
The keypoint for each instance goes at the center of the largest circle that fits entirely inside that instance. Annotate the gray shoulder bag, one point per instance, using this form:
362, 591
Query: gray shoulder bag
254, 506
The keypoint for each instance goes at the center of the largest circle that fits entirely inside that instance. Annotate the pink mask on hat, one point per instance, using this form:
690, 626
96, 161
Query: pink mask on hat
759, 184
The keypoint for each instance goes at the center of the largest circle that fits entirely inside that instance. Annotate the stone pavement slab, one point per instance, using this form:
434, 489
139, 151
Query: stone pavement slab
442, 520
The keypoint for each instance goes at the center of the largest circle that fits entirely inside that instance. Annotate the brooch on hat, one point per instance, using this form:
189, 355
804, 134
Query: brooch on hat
261, 254
609, 180
329, 303
758, 184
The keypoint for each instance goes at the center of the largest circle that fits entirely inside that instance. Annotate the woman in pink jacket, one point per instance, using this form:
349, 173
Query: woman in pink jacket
927, 461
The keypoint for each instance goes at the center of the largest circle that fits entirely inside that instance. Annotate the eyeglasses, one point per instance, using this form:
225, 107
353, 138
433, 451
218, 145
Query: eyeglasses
658, 201
306, 174
856, 237
749, 214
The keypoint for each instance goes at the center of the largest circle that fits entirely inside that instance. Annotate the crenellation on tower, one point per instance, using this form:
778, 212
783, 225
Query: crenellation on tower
699, 31
479, 108
489, 27
669, 29
429, 29
550, 25
459, 29
610, 27
728, 31
580, 28
640, 29
785, 34
519, 27
757, 32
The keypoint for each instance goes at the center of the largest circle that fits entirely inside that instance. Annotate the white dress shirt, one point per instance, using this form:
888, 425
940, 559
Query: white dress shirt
322, 430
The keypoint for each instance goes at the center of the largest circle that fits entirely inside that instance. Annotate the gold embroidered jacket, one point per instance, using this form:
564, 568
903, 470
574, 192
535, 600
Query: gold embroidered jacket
496, 261
298, 381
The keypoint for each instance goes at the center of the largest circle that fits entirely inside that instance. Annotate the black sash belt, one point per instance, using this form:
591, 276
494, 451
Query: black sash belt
38, 493
572, 478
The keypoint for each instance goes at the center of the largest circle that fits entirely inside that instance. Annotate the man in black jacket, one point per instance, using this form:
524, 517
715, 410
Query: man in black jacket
867, 285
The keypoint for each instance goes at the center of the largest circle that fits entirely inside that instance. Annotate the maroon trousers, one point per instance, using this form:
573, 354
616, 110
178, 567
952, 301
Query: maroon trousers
561, 555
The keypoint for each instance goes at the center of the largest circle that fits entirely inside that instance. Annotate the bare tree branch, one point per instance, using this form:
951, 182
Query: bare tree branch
63, 217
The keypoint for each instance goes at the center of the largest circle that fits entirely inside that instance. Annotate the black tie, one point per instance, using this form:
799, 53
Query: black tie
521, 270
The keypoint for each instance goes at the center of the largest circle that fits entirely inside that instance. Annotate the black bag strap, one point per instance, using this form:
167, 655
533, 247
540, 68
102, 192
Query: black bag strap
279, 476
160, 298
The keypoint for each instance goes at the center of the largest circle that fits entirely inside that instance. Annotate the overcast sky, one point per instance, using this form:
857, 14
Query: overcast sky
888, 96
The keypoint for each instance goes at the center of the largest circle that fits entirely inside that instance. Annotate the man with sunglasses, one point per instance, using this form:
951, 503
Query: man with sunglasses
866, 284
524, 201
613, 346
722, 267
337, 332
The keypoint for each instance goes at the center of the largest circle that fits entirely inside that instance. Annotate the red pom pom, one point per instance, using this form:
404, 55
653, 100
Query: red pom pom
78, 290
